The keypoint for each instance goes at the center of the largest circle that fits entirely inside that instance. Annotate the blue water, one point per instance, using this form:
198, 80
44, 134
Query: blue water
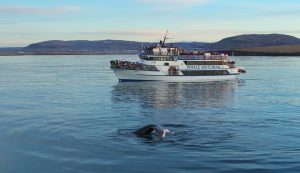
69, 114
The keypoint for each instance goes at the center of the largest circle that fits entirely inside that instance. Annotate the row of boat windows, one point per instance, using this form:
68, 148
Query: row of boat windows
158, 58
205, 62
205, 73
186, 62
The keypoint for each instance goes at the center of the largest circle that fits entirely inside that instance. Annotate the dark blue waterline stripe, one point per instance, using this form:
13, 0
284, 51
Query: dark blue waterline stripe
187, 75
133, 80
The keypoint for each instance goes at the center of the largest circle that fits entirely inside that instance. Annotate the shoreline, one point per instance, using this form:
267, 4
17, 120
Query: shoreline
235, 54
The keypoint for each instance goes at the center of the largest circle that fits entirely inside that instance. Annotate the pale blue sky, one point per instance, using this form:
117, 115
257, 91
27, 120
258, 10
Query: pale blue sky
26, 21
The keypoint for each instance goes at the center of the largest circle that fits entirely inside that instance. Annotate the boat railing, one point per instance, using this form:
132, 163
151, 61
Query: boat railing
117, 64
128, 65
150, 52
184, 55
202, 57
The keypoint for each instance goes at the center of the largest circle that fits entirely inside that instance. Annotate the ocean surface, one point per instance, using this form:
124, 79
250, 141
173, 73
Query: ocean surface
69, 114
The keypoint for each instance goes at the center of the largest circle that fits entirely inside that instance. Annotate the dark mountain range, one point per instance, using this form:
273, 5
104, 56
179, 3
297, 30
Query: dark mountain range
253, 40
237, 43
286, 50
86, 45
9, 51
98, 47
83, 47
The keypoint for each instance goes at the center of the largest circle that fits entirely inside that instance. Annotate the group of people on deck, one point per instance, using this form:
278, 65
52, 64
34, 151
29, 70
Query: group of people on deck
124, 65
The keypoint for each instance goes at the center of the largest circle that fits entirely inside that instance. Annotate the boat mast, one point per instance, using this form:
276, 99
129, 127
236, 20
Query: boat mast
165, 38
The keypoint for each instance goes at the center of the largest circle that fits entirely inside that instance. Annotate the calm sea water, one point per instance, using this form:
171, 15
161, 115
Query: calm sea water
69, 114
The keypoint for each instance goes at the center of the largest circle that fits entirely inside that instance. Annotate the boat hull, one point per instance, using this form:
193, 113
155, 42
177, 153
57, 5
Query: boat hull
134, 75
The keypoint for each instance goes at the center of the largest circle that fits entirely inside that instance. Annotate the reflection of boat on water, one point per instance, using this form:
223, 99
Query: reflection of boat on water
175, 95
163, 62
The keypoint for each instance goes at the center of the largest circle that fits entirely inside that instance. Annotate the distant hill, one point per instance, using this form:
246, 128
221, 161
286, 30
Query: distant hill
82, 46
287, 50
242, 43
190, 45
97, 47
6, 51
121, 46
253, 40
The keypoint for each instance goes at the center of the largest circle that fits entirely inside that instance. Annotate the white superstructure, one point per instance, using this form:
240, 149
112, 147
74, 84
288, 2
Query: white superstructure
171, 64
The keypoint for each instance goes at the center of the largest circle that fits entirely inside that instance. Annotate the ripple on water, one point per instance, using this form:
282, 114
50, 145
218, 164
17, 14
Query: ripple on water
181, 135
69, 114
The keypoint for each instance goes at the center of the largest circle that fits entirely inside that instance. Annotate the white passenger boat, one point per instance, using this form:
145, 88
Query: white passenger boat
171, 64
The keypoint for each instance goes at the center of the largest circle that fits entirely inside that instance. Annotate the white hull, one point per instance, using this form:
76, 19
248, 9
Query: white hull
135, 75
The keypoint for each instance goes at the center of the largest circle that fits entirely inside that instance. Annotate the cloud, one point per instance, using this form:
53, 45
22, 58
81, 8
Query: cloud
37, 10
175, 2
126, 33
152, 35
170, 5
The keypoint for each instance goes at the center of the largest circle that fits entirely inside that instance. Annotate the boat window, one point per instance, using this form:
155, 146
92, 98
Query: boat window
148, 67
205, 72
158, 58
205, 62
166, 64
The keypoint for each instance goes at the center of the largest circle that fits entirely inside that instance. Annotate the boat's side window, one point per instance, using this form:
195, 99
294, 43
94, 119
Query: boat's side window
166, 64
149, 67
205, 72
205, 62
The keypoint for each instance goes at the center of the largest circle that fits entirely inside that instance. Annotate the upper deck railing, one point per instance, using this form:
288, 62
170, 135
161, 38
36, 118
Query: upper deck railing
161, 51
171, 53
151, 57
202, 57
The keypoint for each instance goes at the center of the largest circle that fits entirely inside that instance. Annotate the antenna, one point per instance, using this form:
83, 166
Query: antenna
233, 56
165, 38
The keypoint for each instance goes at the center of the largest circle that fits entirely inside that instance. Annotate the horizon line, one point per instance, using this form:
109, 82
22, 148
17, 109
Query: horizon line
141, 41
